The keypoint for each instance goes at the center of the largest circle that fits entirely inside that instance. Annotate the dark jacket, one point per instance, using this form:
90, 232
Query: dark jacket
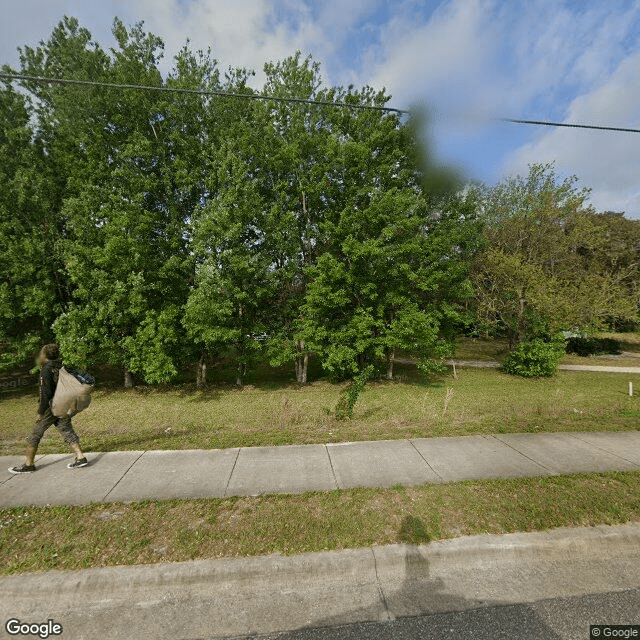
48, 382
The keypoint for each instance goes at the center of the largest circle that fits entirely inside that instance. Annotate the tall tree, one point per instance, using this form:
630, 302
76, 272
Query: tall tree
42, 144
539, 272
127, 254
229, 300
299, 164
31, 286
395, 266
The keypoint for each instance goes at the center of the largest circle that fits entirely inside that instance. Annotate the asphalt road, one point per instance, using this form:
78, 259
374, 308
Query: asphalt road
554, 619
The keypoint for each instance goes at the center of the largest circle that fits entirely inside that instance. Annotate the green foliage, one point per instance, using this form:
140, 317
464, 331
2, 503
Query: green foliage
124, 245
393, 277
592, 346
545, 267
32, 285
349, 397
534, 359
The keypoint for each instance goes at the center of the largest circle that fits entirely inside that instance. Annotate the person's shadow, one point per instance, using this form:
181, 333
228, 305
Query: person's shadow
421, 607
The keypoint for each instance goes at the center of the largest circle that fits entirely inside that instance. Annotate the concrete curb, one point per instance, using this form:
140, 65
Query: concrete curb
242, 596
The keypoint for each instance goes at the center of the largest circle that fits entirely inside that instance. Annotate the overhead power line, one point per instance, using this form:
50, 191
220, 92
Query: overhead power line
202, 92
569, 124
257, 96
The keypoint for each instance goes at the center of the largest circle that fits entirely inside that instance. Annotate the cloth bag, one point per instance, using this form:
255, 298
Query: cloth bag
73, 393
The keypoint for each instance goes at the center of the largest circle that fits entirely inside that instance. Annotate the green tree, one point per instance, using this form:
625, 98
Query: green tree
227, 307
41, 146
395, 267
619, 254
228, 304
542, 269
31, 286
127, 252
300, 163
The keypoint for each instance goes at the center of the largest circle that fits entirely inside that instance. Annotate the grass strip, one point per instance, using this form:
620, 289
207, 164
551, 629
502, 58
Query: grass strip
478, 401
42, 538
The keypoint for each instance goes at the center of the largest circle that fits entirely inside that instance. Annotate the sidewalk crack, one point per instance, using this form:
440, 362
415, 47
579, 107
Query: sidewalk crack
524, 455
426, 462
122, 476
615, 455
235, 462
333, 471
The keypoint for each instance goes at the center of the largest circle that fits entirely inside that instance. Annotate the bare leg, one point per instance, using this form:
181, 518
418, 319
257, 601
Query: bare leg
75, 447
30, 455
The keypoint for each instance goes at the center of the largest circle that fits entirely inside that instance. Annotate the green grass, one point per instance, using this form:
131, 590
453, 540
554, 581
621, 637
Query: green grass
478, 401
479, 349
44, 538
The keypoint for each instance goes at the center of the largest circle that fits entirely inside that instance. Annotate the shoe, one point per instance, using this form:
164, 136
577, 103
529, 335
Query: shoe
76, 464
25, 468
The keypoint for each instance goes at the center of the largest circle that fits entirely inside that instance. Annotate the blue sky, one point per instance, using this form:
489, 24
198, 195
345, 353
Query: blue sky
563, 60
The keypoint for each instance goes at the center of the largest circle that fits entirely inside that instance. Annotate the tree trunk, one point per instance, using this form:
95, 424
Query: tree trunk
301, 363
390, 357
128, 379
201, 372
520, 327
242, 372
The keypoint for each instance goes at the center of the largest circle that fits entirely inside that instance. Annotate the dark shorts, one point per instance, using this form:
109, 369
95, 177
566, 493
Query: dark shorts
62, 424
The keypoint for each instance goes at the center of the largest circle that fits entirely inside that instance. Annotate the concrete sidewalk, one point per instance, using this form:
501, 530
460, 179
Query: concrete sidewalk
123, 476
493, 364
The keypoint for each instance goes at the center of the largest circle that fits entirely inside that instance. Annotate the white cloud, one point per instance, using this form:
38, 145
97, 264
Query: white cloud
26, 23
442, 57
527, 60
497, 57
607, 162
247, 33
236, 32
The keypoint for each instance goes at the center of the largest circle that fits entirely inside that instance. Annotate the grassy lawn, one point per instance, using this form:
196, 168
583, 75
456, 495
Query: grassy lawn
43, 538
479, 349
477, 401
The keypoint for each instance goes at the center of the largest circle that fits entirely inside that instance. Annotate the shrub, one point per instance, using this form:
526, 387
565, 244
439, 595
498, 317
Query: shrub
535, 358
349, 397
592, 346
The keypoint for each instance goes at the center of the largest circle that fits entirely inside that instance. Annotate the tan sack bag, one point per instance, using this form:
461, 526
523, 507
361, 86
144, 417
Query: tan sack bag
73, 393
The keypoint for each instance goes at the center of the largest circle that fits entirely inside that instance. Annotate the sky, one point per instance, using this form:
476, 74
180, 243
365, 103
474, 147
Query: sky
559, 60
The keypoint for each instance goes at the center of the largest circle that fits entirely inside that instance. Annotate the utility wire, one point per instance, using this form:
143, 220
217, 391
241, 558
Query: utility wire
568, 124
202, 92
257, 96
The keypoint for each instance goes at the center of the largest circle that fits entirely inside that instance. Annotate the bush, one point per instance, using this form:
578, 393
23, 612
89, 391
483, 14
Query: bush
534, 359
349, 397
592, 346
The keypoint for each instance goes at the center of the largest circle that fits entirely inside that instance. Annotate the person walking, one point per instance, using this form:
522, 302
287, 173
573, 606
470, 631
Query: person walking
50, 363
